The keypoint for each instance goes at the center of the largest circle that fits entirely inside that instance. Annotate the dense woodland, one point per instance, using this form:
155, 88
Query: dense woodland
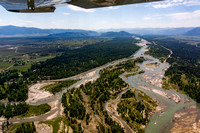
108, 86
184, 73
135, 112
14, 84
158, 51
26, 128
75, 61
10, 110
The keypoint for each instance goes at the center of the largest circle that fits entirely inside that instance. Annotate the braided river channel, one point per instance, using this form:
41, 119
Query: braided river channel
149, 82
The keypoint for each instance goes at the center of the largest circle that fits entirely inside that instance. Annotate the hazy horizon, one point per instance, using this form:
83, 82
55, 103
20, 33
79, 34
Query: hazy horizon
104, 29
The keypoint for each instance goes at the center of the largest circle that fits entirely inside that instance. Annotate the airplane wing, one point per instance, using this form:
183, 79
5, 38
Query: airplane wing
105, 3
35, 6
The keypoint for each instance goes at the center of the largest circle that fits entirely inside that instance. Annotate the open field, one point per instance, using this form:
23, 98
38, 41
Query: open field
11, 65
28, 65
191, 40
20, 53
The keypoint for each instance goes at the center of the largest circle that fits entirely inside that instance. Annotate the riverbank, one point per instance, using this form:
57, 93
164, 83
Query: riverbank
169, 101
186, 120
166, 117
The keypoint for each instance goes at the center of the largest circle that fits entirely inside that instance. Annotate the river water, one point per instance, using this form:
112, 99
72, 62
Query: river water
160, 121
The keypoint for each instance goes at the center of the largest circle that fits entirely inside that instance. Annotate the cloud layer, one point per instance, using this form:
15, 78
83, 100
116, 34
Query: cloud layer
185, 15
171, 3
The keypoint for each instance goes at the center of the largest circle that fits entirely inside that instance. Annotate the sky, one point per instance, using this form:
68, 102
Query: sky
166, 14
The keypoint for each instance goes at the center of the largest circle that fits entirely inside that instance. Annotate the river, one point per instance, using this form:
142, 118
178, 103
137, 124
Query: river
160, 121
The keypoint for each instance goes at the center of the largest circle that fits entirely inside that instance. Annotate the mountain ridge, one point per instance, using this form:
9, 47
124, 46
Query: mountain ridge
116, 34
193, 32
12, 31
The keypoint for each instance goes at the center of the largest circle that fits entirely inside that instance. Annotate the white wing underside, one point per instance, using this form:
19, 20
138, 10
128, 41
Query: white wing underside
50, 5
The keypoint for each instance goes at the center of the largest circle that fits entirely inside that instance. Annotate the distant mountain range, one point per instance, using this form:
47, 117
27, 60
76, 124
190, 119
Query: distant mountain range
193, 32
78, 33
153, 31
91, 33
11, 31
116, 34
25, 31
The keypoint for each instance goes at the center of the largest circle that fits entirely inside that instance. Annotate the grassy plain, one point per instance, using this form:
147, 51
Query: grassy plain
20, 53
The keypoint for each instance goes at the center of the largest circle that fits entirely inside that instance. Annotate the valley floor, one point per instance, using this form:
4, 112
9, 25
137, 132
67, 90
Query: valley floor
174, 113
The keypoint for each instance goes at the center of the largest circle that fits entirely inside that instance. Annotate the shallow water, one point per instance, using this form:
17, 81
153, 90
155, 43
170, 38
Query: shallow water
160, 121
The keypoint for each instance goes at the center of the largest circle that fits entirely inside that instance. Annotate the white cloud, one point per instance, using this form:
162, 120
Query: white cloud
171, 3
54, 22
192, 3
183, 19
75, 8
24, 22
177, 0
167, 4
66, 13
162, 5
185, 15
129, 22
147, 18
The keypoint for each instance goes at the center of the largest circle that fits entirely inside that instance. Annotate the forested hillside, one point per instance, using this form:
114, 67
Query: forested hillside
193, 32
116, 34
